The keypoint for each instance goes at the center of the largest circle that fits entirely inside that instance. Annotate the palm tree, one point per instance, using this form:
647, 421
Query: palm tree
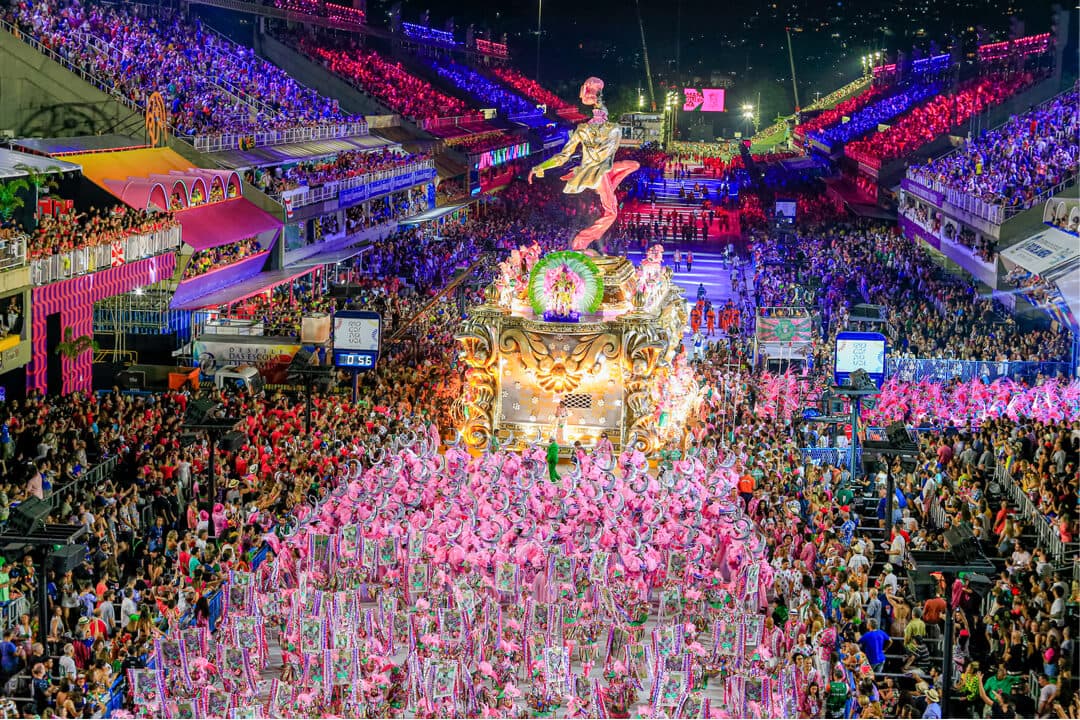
72, 347
41, 180
10, 199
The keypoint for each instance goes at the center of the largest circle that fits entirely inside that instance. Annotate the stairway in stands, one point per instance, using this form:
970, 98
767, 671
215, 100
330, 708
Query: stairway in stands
866, 505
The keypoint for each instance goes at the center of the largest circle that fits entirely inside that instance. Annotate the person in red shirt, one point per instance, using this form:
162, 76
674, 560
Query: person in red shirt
934, 609
97, 628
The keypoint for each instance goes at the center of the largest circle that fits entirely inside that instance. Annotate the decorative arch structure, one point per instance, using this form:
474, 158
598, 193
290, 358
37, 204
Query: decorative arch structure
140, 193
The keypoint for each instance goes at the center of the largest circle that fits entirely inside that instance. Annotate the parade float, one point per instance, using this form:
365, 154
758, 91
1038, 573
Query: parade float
575, 347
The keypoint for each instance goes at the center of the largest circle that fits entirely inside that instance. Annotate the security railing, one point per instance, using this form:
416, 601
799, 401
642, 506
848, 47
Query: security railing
329, 191
85, 260
455, 121
13, 252
996, 212
1048, 537
943, 371
240, 141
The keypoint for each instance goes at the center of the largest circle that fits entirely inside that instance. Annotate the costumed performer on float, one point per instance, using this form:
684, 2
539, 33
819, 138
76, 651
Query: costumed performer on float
599, 141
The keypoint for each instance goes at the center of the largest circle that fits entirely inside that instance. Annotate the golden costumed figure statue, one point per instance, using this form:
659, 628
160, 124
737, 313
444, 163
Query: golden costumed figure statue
599, 141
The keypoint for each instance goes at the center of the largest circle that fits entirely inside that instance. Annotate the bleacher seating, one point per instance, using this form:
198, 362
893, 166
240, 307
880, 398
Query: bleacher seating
832, 116
879, 112
928, 121
1015, 165
538, 93
210, 84
387, 81
487, 92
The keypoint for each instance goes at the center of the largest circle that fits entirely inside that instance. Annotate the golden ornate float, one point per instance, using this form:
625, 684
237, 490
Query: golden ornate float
529, 379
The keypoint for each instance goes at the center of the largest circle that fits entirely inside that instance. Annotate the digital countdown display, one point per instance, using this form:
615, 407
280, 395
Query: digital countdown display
706, 100
860, 351
357, 339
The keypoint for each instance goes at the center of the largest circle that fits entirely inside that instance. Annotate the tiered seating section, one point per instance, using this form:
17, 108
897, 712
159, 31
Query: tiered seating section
211, 86
1015, 164
216, 258
531, 89
487, 92
333, 169
67, 231
944, 112
870, 117
387, 81
536, 92
832, 116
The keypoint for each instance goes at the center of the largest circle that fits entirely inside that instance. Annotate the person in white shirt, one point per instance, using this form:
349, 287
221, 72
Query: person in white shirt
1057, 608
857, 562
127, 605
67, 662
1020, 560
889, 583
897, 549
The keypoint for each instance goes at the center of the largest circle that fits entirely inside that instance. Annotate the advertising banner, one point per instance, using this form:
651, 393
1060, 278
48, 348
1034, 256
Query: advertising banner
270, 355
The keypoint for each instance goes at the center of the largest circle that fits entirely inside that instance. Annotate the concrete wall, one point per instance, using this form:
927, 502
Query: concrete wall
41, 98
313, 75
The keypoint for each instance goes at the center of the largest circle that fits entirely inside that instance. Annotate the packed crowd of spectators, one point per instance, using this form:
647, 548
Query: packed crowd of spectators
530, 88
1013, 165
870, 117
210, 84
396, 206
56, 234
387, 81
941, 114
842, 611
489, 93
342, 166
834, 115
482, 142
932, 314
211, 259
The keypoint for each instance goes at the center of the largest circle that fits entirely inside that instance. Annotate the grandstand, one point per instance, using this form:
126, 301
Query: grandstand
217, 94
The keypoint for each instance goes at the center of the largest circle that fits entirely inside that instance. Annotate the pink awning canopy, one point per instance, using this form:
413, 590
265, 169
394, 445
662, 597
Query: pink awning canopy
210, 226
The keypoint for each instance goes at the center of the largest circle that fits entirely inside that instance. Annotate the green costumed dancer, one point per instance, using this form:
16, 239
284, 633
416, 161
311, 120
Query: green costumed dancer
553, 460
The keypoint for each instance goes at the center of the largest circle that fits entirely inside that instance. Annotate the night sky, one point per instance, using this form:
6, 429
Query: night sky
742, 41
740, 44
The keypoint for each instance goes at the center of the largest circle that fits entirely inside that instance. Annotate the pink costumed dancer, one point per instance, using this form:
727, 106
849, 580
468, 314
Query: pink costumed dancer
599, 141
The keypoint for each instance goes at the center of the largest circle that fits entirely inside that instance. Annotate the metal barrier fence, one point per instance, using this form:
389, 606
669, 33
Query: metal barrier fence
82, 261
93, 476
944, 371
440, 122
331, 190
838, 457
240, 141
1047, 535
13, 252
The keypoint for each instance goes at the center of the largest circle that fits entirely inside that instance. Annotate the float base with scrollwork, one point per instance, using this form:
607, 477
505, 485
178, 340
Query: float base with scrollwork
612, 371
